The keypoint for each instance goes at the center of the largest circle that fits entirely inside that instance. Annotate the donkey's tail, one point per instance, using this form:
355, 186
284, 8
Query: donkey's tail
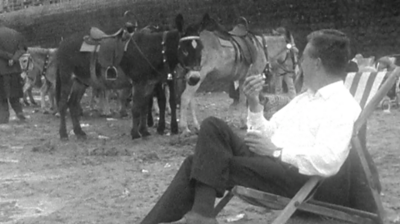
58, 85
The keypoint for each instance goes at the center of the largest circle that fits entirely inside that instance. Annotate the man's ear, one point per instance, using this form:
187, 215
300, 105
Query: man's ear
318, 63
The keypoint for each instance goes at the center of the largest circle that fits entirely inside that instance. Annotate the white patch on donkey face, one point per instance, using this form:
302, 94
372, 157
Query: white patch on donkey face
194, 44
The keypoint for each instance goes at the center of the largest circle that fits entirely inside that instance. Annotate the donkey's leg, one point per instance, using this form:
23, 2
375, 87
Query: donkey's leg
78, 89
161, 100
92, 101
123, 96
63, 89
31, 99
107, 109
43, 90
167, 92
172, 105
138, 102
186, 98
26, 96
289, 80
53, 106
150, 119
143, 131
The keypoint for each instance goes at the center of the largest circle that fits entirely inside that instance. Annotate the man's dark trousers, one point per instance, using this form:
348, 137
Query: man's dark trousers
222, 160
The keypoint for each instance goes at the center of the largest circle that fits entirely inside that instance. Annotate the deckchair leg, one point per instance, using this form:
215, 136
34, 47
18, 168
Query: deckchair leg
372, 185
301, 195
223, 203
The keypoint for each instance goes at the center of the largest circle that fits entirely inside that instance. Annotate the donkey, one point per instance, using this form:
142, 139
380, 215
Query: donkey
149, 61
88, 60
40, 68
207, 48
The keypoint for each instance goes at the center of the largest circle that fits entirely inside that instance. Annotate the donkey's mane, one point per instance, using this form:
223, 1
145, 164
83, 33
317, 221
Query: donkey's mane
38, 50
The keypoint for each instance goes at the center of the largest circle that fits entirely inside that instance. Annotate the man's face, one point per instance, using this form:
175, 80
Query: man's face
308, 65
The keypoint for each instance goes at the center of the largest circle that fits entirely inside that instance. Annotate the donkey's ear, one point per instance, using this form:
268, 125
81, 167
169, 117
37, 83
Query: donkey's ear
179, 22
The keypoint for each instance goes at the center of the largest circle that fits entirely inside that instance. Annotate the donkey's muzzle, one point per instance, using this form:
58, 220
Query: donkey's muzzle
193, 78
111, 73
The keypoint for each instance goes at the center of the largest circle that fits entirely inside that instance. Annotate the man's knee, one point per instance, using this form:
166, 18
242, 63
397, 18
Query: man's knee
211, 122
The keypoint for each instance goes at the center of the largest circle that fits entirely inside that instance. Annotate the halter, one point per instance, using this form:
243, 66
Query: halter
289, 52
192, 38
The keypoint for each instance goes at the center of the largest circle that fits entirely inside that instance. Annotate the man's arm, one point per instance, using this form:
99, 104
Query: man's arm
330, 150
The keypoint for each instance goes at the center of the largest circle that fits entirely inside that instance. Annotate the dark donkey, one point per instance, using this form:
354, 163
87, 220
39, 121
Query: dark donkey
150, 60
93, 62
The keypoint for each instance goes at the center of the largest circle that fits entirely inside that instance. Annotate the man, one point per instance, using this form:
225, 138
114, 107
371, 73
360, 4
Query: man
12, 47
310, 136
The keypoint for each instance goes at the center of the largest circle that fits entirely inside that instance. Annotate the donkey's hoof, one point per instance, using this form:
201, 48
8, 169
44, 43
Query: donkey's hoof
135, 135
186, 133
145, 133
64, 138
81, 135
174, 129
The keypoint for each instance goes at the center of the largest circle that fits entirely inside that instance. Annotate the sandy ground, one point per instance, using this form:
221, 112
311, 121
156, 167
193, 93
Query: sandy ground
111, 179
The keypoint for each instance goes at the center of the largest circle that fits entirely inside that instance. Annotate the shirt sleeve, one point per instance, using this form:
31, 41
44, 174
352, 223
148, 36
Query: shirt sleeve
257, 121
330, 150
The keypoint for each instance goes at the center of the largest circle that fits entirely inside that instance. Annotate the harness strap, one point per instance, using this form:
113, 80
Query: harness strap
45, 64
93, 74
167, 69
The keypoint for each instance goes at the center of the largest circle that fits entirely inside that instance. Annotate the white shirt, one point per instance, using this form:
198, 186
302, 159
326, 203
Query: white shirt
314, 130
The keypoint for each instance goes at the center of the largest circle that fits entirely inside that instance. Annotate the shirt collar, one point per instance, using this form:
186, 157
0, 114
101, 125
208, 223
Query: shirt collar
327, 91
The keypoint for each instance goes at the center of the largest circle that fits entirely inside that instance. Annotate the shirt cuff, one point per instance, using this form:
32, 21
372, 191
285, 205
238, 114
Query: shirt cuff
254, 120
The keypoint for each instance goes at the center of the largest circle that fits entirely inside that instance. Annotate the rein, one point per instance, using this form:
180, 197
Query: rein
163, 52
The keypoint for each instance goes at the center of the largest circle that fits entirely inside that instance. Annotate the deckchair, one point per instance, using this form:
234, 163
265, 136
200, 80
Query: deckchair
368, 88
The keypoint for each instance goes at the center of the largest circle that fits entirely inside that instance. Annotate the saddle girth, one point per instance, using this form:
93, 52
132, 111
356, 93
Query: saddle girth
93, 74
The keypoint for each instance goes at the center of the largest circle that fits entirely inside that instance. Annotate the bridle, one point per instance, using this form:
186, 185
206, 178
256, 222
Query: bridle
192, 38
290, 52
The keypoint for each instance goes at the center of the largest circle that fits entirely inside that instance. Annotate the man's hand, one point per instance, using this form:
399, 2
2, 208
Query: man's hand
11, 62
259, 144
252, 87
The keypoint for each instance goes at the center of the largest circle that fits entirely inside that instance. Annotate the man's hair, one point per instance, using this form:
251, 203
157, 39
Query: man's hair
333, 48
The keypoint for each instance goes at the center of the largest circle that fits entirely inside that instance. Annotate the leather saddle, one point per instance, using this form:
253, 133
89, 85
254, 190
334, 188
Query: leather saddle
239, 30
243, 40
96, 35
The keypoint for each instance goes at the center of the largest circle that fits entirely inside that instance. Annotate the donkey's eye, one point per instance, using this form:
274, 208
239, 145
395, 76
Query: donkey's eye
185, 52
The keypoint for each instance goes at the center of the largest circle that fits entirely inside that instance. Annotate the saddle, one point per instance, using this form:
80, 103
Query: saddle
239, 30
100, 46
240, 37
97, 34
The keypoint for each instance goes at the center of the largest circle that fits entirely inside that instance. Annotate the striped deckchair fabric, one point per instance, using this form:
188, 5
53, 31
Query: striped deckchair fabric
364, 85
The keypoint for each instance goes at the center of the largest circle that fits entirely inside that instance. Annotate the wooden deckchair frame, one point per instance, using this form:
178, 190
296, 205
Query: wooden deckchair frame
303, 198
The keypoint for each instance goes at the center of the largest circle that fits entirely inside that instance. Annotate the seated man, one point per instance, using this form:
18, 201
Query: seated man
310, 136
